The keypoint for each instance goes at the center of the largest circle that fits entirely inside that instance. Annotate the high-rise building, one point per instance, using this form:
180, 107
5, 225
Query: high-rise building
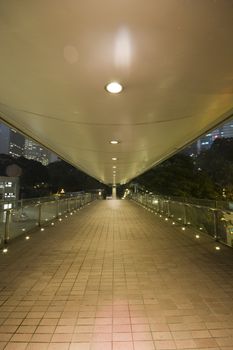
9, 188
224, 130
16, 144
4, 138
36, 152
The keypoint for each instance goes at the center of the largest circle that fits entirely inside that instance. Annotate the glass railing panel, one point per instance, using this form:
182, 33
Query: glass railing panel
201, 218
73, 202
62, 207
177, 211
23, 216
48, 212
23, 219
212, 221
225, 227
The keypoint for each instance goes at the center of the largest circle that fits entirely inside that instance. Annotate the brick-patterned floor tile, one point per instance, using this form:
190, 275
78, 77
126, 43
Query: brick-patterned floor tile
116, 277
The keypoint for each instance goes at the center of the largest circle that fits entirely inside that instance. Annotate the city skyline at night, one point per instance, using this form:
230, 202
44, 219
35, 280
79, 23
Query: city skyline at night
14, 143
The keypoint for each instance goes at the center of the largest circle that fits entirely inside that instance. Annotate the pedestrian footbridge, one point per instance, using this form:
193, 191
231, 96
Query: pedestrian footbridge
115, 276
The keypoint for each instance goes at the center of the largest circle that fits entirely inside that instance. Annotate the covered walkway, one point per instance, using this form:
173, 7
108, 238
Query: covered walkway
116, 277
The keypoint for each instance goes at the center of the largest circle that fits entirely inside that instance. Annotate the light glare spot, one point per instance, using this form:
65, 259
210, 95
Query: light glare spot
114, 87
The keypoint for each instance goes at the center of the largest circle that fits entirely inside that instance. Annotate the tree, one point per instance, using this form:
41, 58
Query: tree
64, 175
217, 162
178, 176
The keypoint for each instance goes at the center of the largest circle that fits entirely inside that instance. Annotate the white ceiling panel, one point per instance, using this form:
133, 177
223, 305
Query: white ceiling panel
173, 57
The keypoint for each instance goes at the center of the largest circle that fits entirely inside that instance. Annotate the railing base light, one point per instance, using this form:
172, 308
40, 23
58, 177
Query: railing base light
5, 250
217, 248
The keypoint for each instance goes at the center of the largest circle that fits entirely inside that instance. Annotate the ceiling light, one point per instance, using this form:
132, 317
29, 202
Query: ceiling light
114, 167
114, 158
114, 142
114, 87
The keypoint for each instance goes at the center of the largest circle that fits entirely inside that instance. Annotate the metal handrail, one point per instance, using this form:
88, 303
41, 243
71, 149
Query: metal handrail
215, 222
16, 215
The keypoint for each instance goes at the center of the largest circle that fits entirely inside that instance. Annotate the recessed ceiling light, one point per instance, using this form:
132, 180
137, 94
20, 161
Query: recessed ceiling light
114, 87
114, 158
114, 167
114, 142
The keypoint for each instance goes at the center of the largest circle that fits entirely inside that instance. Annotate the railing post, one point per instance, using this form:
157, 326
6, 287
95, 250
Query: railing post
215, 216
168, 208
39, 214
185, 214
67, 205
57, 208
7, 226
21, 205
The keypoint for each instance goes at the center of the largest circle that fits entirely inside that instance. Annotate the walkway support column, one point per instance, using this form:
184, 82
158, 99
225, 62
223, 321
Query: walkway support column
114, 192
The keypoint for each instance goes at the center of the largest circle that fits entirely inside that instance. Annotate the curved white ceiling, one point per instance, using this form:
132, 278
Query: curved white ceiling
173, 57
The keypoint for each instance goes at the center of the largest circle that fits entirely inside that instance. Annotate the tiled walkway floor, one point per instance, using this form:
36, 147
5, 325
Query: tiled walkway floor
116, 277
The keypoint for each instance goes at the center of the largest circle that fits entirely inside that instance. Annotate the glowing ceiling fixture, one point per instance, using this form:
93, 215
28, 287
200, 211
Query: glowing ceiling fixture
114, 142
114, 158
114, 87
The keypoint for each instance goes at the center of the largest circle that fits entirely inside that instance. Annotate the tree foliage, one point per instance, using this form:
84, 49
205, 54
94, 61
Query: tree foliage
217, 163
64, 175
178, 176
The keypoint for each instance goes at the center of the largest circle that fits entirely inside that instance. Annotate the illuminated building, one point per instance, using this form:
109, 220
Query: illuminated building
16, 144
